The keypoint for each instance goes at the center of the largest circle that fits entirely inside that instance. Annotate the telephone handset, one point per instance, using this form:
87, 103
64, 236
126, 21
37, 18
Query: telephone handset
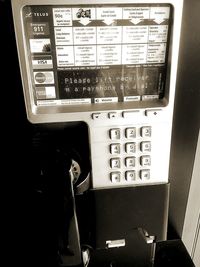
63, 174
56, 167
69, 251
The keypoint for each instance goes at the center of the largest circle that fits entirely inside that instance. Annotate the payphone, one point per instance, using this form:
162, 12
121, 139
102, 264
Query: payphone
112, 65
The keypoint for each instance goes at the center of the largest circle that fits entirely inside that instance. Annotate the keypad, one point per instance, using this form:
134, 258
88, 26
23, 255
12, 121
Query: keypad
130, 154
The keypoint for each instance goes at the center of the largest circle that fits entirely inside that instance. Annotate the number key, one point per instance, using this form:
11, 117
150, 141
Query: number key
114, 134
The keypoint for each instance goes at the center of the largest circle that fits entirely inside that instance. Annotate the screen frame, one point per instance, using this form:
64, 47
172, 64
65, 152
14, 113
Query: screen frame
37, 114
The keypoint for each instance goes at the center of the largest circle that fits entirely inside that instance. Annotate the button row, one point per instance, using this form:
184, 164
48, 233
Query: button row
130, 176
125, 114
145, 146
130, 162
115, 134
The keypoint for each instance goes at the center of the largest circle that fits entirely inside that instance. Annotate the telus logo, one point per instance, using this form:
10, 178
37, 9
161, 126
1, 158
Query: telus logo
41, 14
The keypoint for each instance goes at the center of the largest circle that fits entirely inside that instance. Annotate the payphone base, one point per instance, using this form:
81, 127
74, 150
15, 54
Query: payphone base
122, 225
109, 214
135, 252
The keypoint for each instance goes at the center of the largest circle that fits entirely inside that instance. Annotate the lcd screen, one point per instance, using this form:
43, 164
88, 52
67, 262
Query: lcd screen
97, 54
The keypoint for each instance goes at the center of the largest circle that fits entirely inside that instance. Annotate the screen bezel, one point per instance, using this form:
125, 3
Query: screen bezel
41, 113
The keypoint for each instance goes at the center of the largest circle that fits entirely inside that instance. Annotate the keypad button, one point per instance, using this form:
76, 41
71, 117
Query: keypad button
153, 112
96, 116
112, 115
130, 114
145, 160
146, 131
130, 162
115, 163
115, 177
115, 148
130, 147
114, 134
130, 176
145, 146
145, 174
130, 132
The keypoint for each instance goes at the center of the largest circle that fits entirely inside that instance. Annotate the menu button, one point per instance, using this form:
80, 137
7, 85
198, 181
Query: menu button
96, 116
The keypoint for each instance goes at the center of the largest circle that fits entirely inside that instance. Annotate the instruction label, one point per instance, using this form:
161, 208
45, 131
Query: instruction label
128, 31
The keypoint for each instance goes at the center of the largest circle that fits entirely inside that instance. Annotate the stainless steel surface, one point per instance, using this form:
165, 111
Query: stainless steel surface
186, 115
191, 227
154, 114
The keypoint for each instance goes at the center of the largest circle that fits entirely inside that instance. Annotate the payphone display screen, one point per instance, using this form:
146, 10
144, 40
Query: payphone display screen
97, 53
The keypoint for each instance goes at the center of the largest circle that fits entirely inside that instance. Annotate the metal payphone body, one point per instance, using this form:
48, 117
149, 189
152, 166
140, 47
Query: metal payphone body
112, 65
